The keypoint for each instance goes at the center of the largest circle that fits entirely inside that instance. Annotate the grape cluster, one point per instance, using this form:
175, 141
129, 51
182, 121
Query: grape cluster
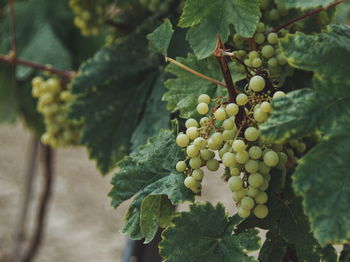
228, 133
89, 15
157, 6
54, 99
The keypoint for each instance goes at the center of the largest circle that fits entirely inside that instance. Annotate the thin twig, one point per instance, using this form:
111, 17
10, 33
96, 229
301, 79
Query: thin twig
22, 219
173, 61
219, 54
17, 61
42, 209
13, 28
313, 12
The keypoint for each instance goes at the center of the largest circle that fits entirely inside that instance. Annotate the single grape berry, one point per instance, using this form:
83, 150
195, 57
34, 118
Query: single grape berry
213, 165
181, 166
261, 198
243, 213
242, 157
259, 38
255, 152
272, 38
191, 123
238, 145
278, 94
220, 114
202, 108
256, 180
232, 109
271, 158
196, 162
251, 134
252, 166
261, 211
198, 174
228, 159
190, 182
247, 203
257, 83
265, 107
268, 51
235, 183
192, 151
257, 62
204, 99
192, 132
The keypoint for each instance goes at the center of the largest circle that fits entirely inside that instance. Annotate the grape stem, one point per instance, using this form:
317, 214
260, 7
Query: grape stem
11, 59
219, 53
311, 13
173, 61
13, 28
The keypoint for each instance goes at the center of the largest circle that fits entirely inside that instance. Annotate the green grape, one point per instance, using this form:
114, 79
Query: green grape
190, 182
281, 59
257, 83
212, 145
253, 54
213, 165
267, 51
192, 132
229, 134
263, 168
192, 151
204, 99
206, 154
182, 140
255, 152
251, 134
272, 62
301, 147
252, 166
238, 39
261, 198
196, 162
271, 158
235, 183
238, 145
220, 114
278, 94
204, 121
243, 213
202, 108
228, 124
242, 157
259, 38
267, 177
247, 203
247, 62
272, 38
242, 99
234, 171
255, 180
232, 109
260, 27
252, 191
274, 15
257, 62
198, 174
238, 195
200, 143
191, 123
261, 211
264, 186
265, 107
217, 138
228, 159
283, 158
223, 150
181, 166
260, 116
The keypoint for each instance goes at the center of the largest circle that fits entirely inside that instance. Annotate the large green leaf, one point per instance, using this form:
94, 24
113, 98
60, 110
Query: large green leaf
304, 4
209, 19
149, 171
112, 89
8, 100
184, 90
161, 37
205, 234
326, 189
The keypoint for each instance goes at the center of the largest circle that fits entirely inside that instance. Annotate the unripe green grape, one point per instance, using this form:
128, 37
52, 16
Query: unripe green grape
191, 123
204, 121
241, 99
192, 151
261, 211
238, 39
37, 81
228, 124
182, 140
278, 94
274, 15
228, 159
217, 138
200, 142
267, 51
281, 59
263, 168
242, 157
264, 186
253, 54
293, 143
248, 62
252, 166
213, 165
252, 191
206, 154
192, 132
255, 152
265, 107
243, 213
66, 96
229, 134
238, 145
301, 147
272, 38
198, 174
257, 83
260, 27
259, 38
255, 180
232, 109
204, 98
234, 171
235, 183
222, 151
272, 62
260, 116
261, 198
251, 134
195, 163
190, 182
247, 203
212, 145
257, 62
238, 195
181, 166
283, 158
202, 108
271, 158
267, 177
220, 114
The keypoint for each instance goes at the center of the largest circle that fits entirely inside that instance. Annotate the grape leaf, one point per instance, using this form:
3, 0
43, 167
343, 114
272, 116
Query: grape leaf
8, 103
326, 189
149, 171
273, 249
161, 37
205, 234
112, 93
209, 19
185, 89
304, 4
